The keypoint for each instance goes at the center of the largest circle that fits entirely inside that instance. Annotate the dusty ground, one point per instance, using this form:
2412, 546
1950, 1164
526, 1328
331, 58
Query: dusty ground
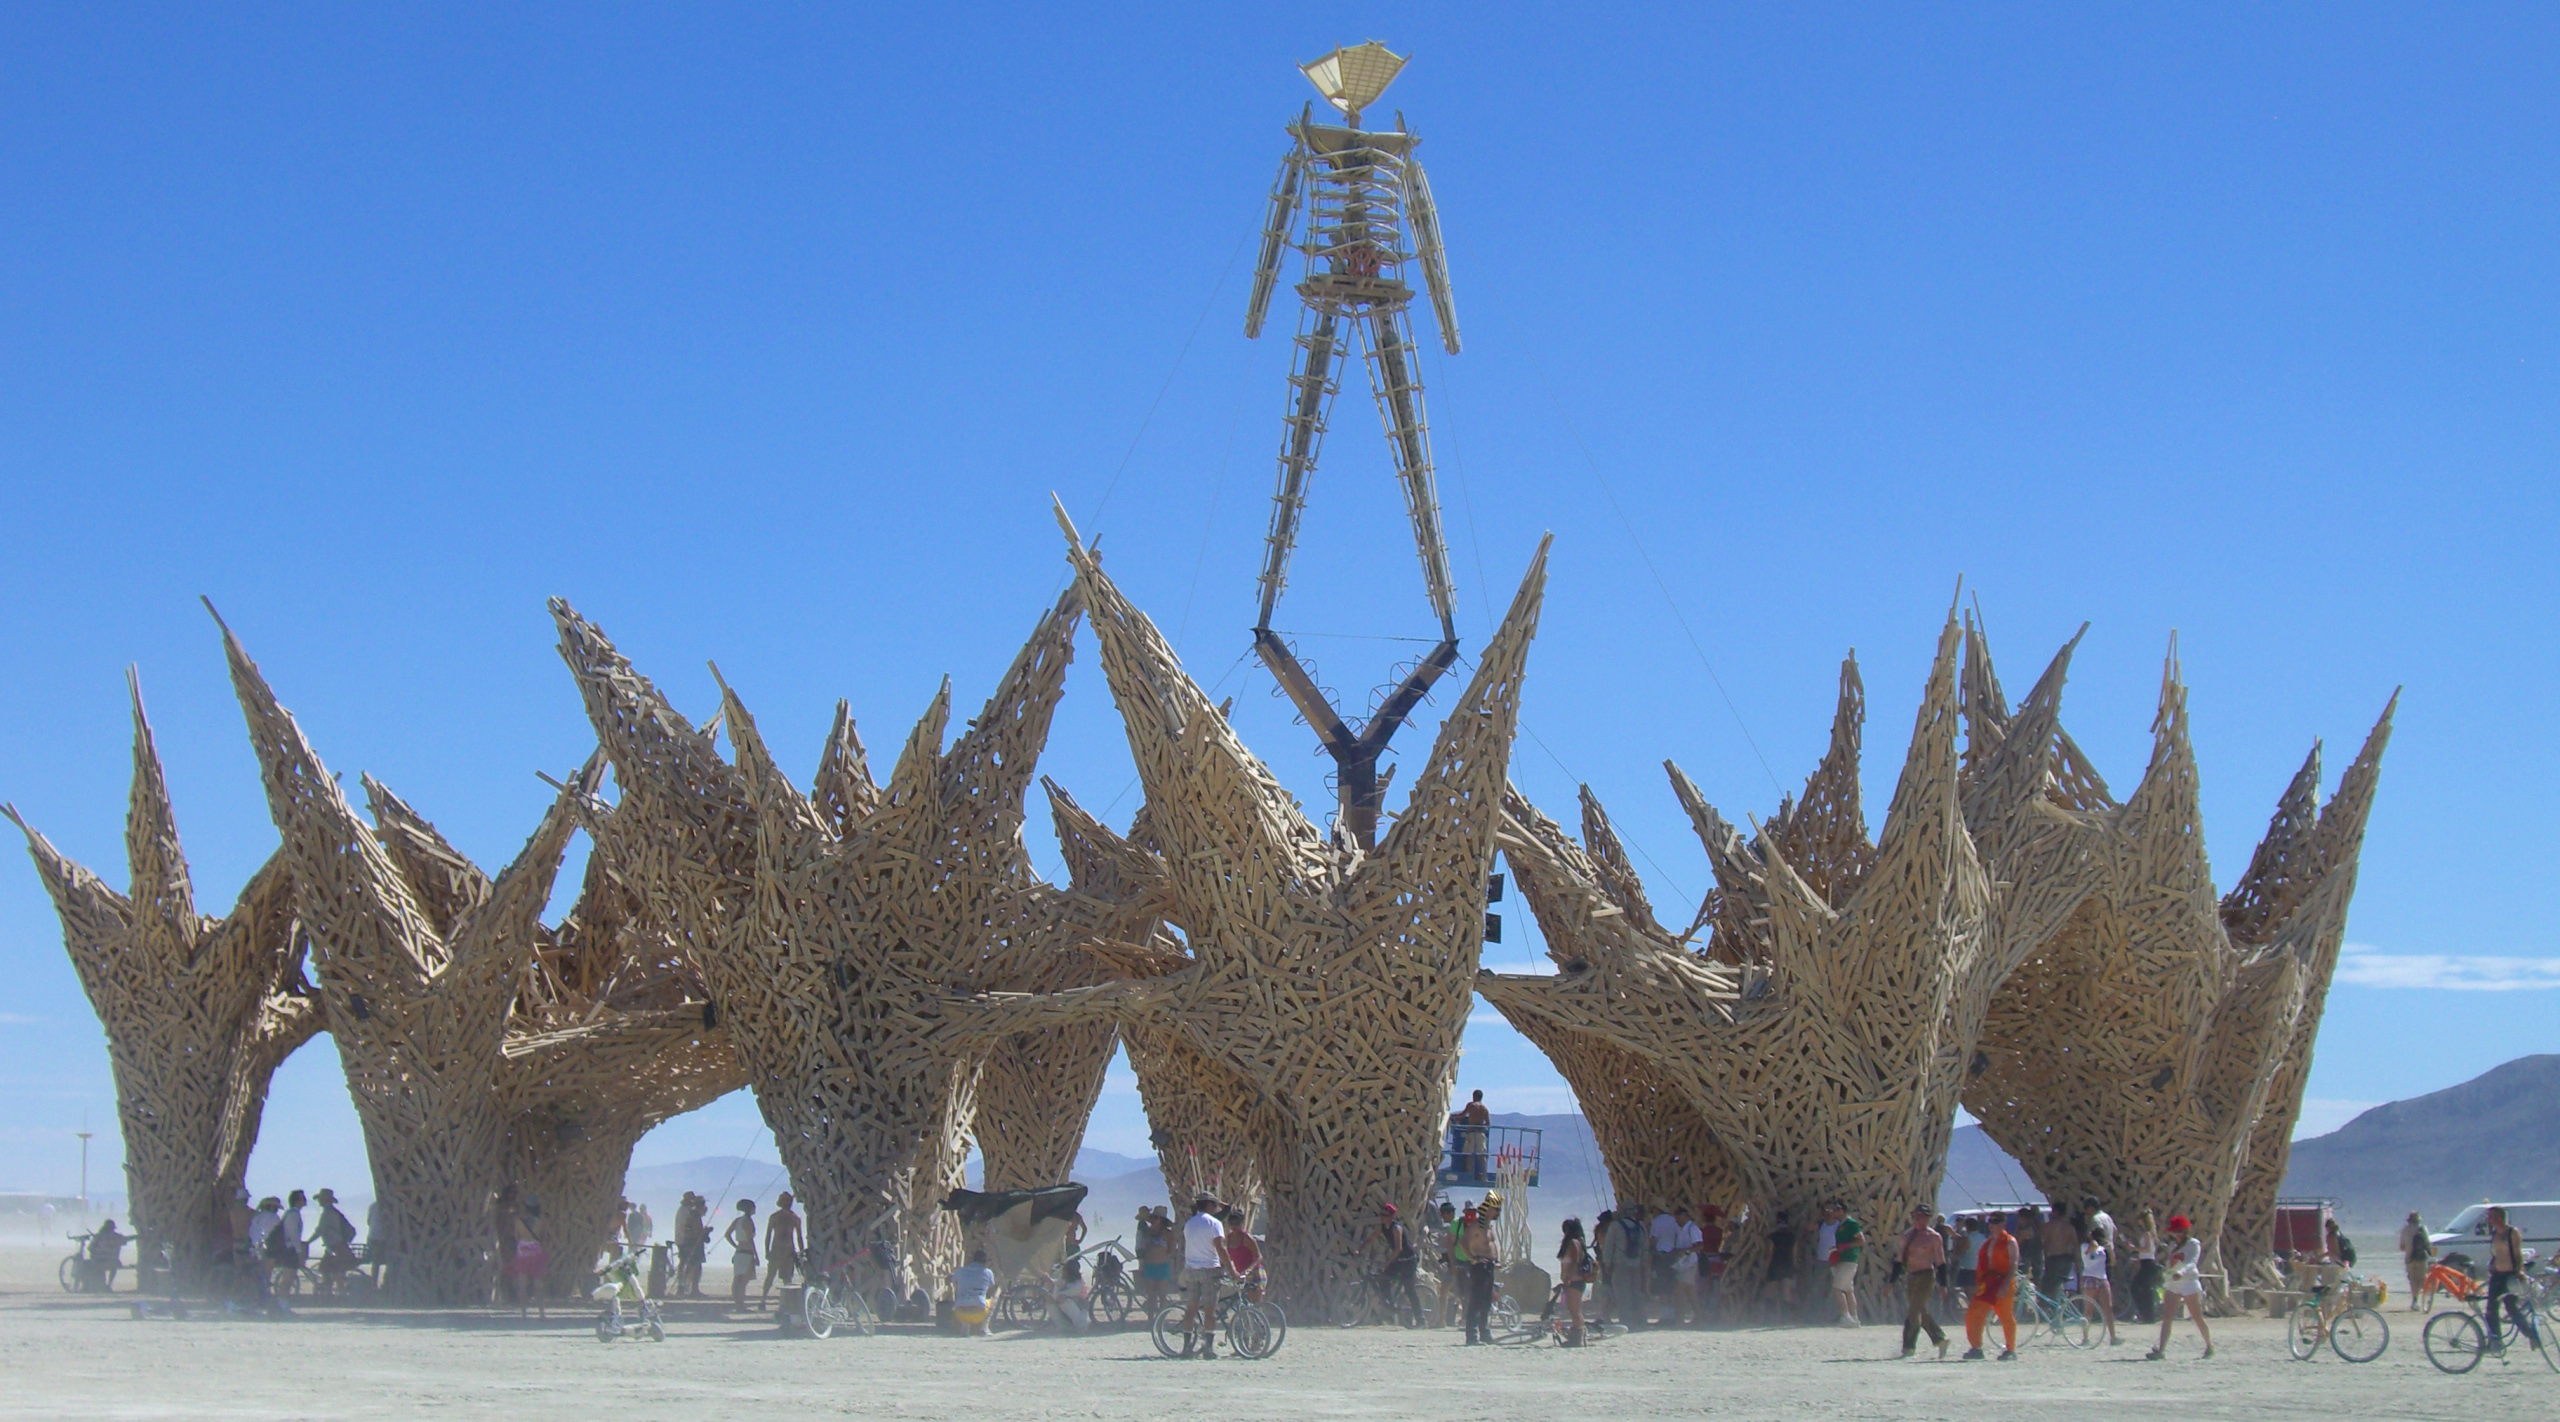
77, 1357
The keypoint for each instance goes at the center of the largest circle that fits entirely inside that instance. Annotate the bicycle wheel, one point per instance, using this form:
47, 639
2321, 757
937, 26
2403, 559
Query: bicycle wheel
857, 1310
1276, 1319
1171, 1339
1506, 1312
2360, 1334
2071, 1323
1430, 1297
70, 1274
1249, 1333
653, 1321
818, 1312
1356, 1309
1111, 1304
2302, 1332
2453, 1342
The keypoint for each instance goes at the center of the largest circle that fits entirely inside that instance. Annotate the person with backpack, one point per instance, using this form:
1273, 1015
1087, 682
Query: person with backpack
1623, 1249
2417, 1255
1400, 1261
2506, 1280
336, 1236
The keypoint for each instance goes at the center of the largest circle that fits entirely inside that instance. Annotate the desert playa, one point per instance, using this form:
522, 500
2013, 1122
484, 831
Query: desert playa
69, 1357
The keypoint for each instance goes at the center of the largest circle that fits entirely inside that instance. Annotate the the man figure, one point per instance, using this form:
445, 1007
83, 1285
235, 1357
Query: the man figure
1205, 1265
2096, 1220
781, 1246
2506, 1279
1780, 1279
693, 1243
2028, 1227
1473, 1120
636, 1225
2417, 1255
1710, 1257
1916, 1259
1623, 1250
1846, 1232
1484, 1257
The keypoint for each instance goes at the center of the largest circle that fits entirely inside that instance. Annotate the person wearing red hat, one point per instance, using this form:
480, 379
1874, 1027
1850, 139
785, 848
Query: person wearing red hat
2185, 1288
1394, 1244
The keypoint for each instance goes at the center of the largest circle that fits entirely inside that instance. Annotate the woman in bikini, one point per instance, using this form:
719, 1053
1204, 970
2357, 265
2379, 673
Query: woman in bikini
1573, 1272
2185, 1288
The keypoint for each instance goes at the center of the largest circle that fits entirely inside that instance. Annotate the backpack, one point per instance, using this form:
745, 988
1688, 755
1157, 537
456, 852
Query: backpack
1631, 1236
277, 1246
2346, 1250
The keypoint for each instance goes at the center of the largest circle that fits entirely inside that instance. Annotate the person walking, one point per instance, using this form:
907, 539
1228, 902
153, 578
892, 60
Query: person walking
1573, 1275
2506, 1279
2185, 1287
2417, 1255
1916, 1260
1846, 1234
1205, 1265
2146, 1267
1483, 1257
781, 1247
741, 1237
1995, 1289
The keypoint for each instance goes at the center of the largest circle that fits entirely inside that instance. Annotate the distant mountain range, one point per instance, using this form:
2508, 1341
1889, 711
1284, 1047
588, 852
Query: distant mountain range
2496, 1136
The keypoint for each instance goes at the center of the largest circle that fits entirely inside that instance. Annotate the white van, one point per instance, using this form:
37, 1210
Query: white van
2467, 1233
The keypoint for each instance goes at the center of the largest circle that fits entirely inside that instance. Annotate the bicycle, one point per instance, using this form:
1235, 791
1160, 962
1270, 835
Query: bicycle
1254, 1330
2458, 1338
1373, 1300
1113, 1296
833, 1299
2043, 1316
2356, 1333
76, 1271
1555, 1326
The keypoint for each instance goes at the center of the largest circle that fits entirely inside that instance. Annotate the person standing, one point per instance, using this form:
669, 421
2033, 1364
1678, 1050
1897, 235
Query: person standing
337, 1237
1622, 1248
1205, 1265
1155, 1256
1662, 1238
1780, 1278
1573, 1275
1968, 1249
637, 1226
1916, 1260
2417, 1255
2146, 1267
2506, 1279
2028, 1226
1995, 1289
1440, 1241
741, 1236
2185, 1287
1399, 1262
781, 1247
2061, 1254
2095, 1286
1483, 1258
1846, 1232
1687, 1247
693, 1242
1710, 1257
1474, 1120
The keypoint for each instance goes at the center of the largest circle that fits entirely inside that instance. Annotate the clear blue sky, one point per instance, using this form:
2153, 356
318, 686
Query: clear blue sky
764, 334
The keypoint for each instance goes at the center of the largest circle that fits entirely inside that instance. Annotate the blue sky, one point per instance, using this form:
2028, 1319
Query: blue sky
764, 334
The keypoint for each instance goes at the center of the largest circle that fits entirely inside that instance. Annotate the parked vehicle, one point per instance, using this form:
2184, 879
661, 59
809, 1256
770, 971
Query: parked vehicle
2467, 1233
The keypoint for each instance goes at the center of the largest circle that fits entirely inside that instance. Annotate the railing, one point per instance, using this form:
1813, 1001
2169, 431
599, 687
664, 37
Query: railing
1474, 1156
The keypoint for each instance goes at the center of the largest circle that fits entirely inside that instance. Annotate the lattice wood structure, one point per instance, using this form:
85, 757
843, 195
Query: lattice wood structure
419, 1014
198, 1011
832, 930
605, 1037
1330, 983
1822, 1044
2135, 1056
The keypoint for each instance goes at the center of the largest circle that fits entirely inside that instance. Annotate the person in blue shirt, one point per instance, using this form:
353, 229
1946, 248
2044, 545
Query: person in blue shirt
972, 1286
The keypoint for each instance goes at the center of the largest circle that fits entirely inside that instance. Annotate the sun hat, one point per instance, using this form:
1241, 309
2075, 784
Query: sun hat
2180, 1223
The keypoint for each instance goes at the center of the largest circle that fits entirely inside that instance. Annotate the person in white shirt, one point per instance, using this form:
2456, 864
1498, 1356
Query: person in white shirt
2186, 1287
1663, 1235
1205, 1265
1686, 1241
971, 1284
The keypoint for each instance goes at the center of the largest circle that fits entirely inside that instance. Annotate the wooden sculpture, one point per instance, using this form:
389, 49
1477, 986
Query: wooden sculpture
605, 1037
1331, 982
830, 930
198, 1011
1823, 1051
1356, 207
419, 1014
2130, 1056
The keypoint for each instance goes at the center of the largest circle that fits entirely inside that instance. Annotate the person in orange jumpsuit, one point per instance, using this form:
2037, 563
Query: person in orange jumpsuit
1995, 1277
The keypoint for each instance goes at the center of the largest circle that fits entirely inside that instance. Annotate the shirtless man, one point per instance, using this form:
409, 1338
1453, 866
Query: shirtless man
781, 1246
